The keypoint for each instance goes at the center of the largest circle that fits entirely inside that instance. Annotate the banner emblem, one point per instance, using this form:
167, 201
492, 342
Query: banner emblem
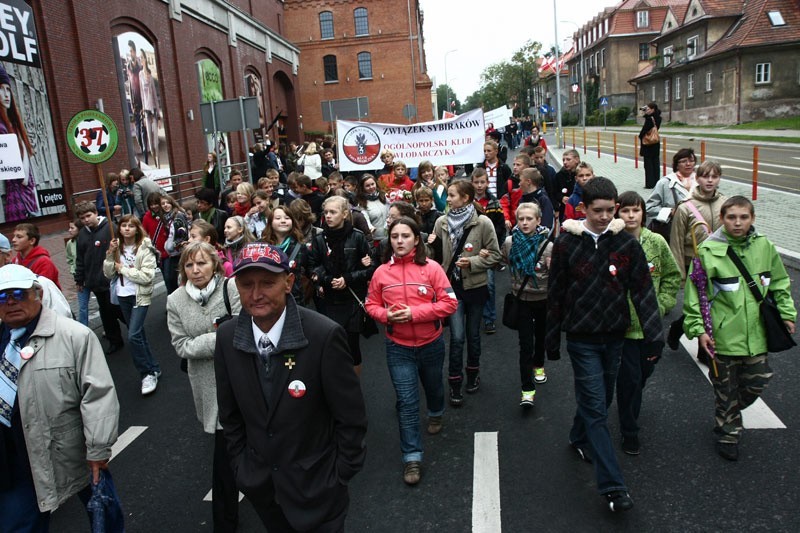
361, 145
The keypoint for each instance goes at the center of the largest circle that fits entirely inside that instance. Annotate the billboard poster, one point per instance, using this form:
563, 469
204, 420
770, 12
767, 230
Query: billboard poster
450, 141
210, 83
253, 87
137, 70
25, 118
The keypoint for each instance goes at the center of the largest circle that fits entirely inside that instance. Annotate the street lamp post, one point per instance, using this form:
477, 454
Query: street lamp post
558, 75
446, 82
580, 73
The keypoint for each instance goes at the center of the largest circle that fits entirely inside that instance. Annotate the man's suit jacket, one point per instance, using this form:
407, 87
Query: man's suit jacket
300, 451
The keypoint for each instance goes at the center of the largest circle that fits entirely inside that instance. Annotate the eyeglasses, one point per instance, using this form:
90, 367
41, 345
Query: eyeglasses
17, 295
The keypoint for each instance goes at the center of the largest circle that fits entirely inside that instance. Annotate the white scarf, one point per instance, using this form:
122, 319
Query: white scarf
201, 296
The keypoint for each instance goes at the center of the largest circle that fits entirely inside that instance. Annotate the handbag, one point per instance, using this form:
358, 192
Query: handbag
103, 507
368, 325
651, 137
778, 337
664, 228
511, 307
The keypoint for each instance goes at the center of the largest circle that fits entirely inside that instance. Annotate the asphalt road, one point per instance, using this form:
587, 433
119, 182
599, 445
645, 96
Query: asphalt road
678, 482
778, 165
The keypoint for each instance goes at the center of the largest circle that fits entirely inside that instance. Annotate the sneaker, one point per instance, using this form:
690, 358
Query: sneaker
619, 500
149, 384
728, 450
473, 381
434, 425
411, 472
527, 399
582, 453
489, 328
456, 398
539, 376
630, 445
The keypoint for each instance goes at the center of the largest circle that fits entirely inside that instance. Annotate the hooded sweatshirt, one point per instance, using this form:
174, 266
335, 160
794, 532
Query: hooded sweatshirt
38, 261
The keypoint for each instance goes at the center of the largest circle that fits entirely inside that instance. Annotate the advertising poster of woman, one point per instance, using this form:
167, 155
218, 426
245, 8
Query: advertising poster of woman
25, 113
209, 81
137, 69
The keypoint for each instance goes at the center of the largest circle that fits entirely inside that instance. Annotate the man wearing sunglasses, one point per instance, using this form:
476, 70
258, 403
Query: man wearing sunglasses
58, 406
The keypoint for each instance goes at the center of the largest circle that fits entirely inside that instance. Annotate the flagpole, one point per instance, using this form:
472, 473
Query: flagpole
558, 75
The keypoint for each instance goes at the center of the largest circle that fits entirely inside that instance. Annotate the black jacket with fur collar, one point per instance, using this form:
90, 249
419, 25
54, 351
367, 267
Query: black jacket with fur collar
589, 287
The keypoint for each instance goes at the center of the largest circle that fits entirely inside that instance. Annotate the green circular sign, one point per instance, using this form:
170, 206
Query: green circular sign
92, 136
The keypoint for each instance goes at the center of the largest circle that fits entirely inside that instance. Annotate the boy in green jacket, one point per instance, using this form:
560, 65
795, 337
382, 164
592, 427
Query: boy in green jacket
739, 340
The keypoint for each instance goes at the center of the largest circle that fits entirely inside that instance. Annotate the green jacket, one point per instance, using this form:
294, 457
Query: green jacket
735, 315
665, 274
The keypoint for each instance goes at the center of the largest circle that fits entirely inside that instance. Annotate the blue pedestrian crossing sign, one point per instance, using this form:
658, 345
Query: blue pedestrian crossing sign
604, 101
544, 108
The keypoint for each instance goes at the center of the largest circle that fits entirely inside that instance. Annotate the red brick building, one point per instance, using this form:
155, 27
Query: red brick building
149, 64
360, 60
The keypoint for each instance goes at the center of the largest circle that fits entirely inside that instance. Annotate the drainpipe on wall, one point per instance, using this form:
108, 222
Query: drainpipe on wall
738, 94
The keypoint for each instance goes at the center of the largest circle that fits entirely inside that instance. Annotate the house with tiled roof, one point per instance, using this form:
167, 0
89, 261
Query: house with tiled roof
726, 62
614, 46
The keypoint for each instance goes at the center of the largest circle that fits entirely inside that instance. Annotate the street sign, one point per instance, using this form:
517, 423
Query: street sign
92, 136
604, 101
544, 109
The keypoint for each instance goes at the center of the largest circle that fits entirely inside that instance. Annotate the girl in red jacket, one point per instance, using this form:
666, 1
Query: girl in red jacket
411, 296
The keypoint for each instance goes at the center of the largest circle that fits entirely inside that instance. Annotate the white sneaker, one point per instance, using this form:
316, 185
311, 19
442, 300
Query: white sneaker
149, 384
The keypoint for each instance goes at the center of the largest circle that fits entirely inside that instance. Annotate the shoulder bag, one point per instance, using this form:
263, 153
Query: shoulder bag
778, 337
512, 305
651, 137
368, 325
665, 228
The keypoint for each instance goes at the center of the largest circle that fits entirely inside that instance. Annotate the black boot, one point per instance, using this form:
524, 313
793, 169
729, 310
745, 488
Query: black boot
456, 398
473, 380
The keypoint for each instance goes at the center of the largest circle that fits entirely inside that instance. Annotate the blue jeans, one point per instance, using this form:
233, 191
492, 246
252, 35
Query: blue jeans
465, 325
83, 306
169, 270
633, 373
406, 363
595, 367
490, 309
143, 358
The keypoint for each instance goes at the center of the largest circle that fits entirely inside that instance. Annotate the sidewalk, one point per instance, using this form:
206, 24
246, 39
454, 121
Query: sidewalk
774, 209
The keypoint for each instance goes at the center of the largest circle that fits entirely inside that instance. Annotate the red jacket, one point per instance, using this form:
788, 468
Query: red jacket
158, 232
38, 261
509, 202
424, 288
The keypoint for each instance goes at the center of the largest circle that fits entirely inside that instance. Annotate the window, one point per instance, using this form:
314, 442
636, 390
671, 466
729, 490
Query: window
691, 47
666, 90
326, 25
775, 18
690, 86
364, 66
642, 19
331, 72
667, 56
653, 93
763, 73
362, 23
708, 82
644, 51
602, 58
677, 88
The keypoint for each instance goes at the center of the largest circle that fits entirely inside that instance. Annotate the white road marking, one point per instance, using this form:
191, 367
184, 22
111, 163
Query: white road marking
209, 497
758, 415
130, 434
760, 170
486, 485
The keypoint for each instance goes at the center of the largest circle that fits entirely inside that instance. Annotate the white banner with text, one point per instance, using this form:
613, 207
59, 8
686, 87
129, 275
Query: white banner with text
453, 141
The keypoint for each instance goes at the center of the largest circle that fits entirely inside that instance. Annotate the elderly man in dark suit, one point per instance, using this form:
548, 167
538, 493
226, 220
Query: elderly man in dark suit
290, 403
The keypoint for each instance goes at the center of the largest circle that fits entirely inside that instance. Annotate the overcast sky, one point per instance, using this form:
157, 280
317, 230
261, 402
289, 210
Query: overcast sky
484, 32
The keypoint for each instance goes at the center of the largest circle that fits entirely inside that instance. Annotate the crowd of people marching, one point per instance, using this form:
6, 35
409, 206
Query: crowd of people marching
419, 251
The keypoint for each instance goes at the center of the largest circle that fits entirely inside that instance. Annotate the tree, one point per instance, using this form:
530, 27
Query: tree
508, 82
443, 92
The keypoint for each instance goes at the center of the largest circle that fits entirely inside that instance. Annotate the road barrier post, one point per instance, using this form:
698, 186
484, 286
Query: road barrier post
663, 156
584, 141
615, 148
635, 151
755, 173
573, 138
598, 145
702, 151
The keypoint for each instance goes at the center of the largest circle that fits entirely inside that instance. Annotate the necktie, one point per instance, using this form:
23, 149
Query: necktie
10, 365
265, 349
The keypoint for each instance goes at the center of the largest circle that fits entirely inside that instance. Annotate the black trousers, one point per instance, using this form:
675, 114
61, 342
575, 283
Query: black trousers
652, 172
225, 503
531, 340
110, 315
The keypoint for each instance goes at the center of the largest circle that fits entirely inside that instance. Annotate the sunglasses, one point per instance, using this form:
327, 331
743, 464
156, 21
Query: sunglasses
17, 295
